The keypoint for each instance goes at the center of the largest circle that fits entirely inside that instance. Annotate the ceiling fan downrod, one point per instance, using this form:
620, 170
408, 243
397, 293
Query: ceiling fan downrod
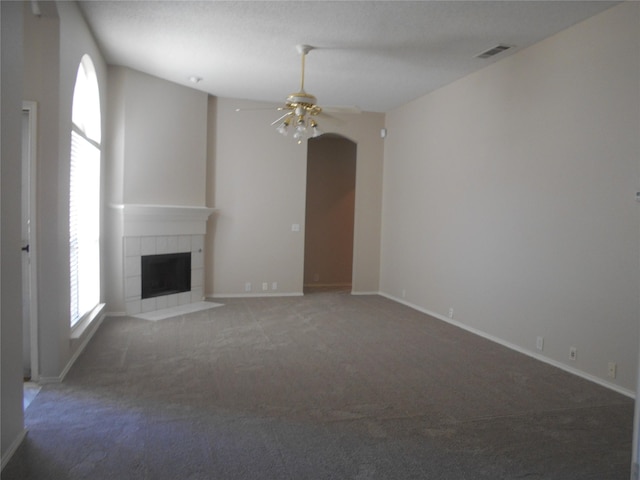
303, 50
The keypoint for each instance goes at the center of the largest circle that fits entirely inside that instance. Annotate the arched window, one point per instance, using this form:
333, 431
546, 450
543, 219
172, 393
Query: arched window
84, 193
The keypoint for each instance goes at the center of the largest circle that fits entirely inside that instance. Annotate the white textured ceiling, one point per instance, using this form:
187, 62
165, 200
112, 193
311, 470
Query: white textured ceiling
376, 55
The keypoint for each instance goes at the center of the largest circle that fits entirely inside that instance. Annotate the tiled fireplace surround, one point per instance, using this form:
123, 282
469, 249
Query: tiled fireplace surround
160, 229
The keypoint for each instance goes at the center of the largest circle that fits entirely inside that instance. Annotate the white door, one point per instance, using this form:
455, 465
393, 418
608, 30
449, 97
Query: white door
29, 298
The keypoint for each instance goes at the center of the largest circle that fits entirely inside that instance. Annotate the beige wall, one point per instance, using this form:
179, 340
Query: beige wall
329, 215
157, 141
364, 130
259, 191
156, 155
509, 196
42, 85
11, 417
257, 181
164, 126
54, 44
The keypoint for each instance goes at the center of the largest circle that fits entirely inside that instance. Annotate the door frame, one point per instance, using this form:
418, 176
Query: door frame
31, 109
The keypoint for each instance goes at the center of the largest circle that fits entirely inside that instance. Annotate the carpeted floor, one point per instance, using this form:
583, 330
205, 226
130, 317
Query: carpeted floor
325, 386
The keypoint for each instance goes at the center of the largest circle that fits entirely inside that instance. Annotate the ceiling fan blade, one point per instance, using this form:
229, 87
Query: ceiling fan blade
331, 118
342, 109
282, 118
256, 109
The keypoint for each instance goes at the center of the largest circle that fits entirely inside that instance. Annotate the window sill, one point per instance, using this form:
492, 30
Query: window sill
85, 322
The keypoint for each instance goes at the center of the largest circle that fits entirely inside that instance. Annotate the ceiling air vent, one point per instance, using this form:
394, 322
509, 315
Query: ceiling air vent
493, 51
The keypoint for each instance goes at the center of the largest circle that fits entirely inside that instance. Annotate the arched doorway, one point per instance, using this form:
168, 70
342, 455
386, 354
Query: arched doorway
329, 217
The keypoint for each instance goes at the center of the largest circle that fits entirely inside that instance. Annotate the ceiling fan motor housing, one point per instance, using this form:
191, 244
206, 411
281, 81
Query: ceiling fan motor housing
305, 101
302, 98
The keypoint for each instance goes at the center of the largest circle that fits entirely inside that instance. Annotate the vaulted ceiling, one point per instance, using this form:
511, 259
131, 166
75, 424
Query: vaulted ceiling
376, 55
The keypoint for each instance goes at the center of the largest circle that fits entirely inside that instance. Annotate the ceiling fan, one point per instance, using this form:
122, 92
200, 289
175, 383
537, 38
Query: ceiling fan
301, 109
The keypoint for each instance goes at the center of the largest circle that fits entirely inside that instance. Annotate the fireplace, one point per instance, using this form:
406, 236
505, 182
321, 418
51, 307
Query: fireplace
167, 232
165, 274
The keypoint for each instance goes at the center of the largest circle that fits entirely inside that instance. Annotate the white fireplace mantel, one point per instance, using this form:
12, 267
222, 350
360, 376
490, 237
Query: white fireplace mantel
154, 220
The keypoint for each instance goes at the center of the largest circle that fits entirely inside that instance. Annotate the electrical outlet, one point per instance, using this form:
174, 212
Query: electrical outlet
612, 369
573, 353
540, 343
404, 293
247, 287
451, 312
265, 286
274, 285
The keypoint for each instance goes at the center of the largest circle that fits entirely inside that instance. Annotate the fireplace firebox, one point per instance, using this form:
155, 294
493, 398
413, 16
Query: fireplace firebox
166, 274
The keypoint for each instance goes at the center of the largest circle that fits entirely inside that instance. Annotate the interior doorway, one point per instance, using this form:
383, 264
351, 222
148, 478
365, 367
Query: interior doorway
28, 233
330, 211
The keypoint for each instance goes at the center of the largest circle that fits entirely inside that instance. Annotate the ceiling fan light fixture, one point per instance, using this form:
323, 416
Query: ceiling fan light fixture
283, 128
315, 131
301, 130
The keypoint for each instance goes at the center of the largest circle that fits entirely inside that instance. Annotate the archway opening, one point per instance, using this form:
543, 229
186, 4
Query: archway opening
329, 216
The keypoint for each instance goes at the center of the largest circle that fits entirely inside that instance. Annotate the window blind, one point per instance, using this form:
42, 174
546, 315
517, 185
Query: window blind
84, 226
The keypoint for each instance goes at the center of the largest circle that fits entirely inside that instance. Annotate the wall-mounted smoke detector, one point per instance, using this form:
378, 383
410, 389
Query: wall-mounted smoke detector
494, 51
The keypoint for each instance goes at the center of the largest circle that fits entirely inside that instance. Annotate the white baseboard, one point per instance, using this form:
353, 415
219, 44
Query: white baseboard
365, 293
90, 332
83, 343
12, 448
252, 295
592, 378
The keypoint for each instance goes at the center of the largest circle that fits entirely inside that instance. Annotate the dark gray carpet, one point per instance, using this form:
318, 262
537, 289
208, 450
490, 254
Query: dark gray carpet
325, 386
